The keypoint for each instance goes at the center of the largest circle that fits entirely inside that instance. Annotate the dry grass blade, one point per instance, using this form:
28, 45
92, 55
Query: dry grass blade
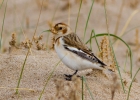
119, 17
123, 31
127, 22
137, 40
18, 88
21, 73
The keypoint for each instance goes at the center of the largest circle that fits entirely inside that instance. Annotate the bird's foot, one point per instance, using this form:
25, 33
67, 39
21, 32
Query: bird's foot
69, 77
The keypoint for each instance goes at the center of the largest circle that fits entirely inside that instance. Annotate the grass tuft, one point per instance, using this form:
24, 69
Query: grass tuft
130, 52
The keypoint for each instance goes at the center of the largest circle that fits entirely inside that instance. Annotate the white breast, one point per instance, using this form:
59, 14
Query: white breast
72, 60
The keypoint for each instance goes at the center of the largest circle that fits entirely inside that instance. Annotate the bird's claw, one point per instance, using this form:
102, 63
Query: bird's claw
69, 77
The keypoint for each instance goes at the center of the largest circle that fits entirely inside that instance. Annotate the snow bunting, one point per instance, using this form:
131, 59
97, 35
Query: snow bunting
72, 51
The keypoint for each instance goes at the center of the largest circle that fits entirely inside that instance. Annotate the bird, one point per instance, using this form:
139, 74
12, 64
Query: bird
72, 51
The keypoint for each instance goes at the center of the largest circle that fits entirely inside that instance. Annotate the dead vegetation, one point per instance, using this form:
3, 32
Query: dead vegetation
106, 54
37, 41
45, 3
27, 43
13, 40
66, 90
134, 4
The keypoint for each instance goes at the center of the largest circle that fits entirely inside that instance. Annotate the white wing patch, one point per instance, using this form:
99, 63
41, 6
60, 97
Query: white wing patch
74, 49
91, 58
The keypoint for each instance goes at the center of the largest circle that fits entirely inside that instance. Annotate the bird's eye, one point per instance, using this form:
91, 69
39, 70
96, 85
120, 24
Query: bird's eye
60, 28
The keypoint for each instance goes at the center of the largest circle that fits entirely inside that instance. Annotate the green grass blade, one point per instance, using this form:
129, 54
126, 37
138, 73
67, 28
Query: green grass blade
93, 32
130, 51
88, 88
125, 62
1, 4
46, 31
49, 77
21, 73
91, 40
78, 15
132, 83
82, 88
3, 26
117, 66
88, 19
110, 44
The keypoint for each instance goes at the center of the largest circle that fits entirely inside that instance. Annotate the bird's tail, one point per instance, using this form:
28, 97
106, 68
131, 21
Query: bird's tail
108, 72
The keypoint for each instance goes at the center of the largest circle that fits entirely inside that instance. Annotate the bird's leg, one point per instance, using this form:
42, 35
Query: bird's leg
68, 77
75, 72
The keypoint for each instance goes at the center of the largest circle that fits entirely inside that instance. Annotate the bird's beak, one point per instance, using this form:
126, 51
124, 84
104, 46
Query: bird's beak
53, 31
46, 31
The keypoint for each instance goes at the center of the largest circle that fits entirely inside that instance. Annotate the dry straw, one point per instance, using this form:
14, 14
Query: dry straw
39, 45
45, 3
106, 54
13, 40
134, 4
137, 40
66, 90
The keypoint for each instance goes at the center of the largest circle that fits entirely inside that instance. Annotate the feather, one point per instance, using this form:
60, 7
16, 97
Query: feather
92, 58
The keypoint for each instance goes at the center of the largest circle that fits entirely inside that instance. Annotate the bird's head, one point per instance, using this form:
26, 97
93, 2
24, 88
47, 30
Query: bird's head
60, 29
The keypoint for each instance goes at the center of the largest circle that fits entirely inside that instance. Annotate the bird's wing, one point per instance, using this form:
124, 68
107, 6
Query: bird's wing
74, 44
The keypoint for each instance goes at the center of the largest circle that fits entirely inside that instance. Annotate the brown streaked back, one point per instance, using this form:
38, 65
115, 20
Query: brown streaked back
74, 41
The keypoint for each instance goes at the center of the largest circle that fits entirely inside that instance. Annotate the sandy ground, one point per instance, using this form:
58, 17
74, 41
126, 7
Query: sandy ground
38, 69
40, 63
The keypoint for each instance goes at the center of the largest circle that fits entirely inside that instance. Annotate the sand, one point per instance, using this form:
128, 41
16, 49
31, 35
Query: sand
37, 70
